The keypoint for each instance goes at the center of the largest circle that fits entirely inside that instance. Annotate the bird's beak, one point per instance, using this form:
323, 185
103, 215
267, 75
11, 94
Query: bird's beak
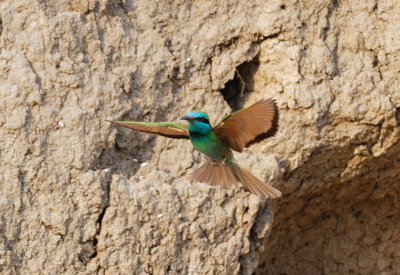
188, 118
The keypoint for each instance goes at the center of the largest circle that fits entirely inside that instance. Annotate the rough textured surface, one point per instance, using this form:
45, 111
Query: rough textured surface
178, 229
336, 77
65, 68
76, 196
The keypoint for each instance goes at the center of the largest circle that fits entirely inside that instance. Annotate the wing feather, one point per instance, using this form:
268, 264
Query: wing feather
250, 125
166, 129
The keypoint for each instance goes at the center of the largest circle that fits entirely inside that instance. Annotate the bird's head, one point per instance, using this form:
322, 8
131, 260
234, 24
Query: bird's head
198, 122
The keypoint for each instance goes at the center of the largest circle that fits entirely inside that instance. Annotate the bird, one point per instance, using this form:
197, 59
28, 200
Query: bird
234, 132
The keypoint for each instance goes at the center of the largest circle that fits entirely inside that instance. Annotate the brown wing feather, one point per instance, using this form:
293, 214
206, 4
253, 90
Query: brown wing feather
166, 129
250, 125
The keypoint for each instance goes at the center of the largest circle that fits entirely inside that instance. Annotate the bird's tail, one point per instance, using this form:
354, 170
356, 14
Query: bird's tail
226, 174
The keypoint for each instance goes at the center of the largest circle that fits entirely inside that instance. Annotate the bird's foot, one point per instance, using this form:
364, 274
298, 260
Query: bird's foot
214, 162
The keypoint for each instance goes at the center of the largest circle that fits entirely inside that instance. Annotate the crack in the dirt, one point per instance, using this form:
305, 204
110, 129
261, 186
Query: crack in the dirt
21, 180
375, 64
397, 116
303, 50
100, 219
334, 55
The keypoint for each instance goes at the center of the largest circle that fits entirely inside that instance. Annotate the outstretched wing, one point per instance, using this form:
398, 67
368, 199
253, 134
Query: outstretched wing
248, 126
166, 129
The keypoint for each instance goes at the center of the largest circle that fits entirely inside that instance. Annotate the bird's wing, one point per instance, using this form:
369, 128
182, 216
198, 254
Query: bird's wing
166, 129
248, 126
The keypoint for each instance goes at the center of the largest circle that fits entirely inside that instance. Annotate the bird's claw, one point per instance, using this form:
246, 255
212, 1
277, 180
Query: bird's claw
214, 162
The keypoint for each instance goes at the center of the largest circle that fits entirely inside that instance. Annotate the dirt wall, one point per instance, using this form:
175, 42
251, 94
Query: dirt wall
78, 195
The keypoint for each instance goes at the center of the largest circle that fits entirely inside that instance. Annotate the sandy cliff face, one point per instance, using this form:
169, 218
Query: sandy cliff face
79, 196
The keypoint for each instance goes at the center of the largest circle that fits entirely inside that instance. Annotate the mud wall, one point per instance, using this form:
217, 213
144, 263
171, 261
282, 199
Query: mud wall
80, 196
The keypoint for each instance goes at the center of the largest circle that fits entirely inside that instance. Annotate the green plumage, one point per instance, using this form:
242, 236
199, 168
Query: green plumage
235, 132
210, 146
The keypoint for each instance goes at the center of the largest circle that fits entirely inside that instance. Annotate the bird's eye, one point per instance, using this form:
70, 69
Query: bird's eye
203, 119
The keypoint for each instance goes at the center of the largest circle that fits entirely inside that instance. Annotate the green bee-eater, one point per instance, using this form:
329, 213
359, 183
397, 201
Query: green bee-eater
236, 131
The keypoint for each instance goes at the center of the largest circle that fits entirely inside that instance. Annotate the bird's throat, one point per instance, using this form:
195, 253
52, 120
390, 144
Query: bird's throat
197, 135
199, 128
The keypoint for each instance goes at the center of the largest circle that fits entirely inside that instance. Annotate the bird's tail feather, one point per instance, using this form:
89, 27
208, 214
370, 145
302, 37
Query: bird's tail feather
215, 173
255, 185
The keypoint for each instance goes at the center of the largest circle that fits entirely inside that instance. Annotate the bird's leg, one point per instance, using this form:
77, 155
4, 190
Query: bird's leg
214, 162
225, 160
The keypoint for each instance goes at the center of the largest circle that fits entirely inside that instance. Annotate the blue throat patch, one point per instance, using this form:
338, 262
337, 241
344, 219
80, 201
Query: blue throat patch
199, 128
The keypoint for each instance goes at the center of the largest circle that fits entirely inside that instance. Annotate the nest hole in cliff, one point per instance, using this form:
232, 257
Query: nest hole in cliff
236, 90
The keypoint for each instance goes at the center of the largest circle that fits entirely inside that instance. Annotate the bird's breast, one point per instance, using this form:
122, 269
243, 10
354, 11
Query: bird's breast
209, 145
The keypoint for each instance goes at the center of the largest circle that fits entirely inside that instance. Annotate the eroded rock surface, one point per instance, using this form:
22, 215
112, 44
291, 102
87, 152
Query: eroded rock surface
336, 77
79, 196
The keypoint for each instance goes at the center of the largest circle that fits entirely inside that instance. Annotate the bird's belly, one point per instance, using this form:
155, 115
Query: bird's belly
211, 148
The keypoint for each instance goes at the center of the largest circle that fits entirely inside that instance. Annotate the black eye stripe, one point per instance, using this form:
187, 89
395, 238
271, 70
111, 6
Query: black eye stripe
202, 119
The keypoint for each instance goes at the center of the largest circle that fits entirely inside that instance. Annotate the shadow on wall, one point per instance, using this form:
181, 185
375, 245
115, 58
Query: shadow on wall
337, 226
335, 221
